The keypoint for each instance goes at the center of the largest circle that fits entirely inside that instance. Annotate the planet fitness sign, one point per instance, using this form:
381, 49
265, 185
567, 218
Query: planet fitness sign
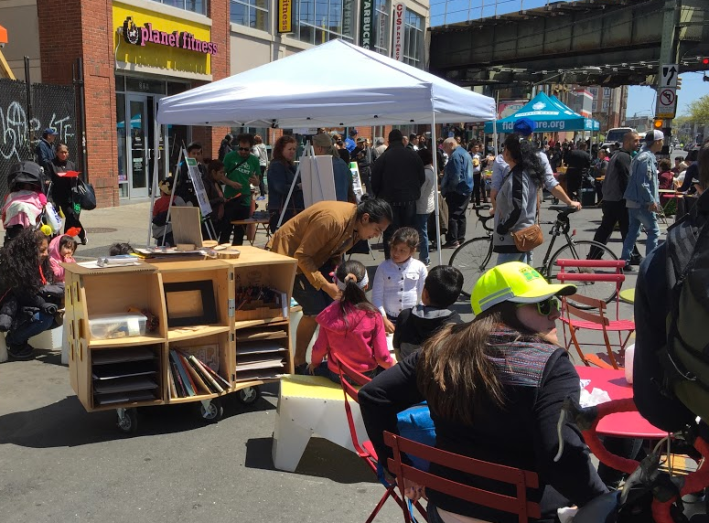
142, 36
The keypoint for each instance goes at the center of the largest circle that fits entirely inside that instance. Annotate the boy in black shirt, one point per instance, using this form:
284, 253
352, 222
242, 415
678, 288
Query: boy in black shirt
415, 326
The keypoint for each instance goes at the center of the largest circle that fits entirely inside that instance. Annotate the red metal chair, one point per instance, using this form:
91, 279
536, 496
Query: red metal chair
595, 319
365, 449
521, 479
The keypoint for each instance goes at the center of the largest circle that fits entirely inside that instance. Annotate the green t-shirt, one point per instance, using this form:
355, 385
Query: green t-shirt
240, 174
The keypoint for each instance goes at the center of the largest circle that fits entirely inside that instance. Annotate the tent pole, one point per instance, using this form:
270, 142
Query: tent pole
434, 144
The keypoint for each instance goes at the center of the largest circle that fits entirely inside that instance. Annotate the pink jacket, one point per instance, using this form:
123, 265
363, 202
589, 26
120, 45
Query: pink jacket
361, 343
55, 259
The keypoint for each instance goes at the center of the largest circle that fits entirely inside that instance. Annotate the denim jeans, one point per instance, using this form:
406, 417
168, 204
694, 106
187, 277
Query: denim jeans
422, 228
39, 323
524, 257
640, 218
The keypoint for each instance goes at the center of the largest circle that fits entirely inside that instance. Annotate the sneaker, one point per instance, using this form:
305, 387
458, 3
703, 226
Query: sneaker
636, 260
628, 267
260, 198
21, 352
451, 245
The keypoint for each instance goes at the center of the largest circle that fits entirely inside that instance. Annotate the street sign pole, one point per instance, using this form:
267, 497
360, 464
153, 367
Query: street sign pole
667, 71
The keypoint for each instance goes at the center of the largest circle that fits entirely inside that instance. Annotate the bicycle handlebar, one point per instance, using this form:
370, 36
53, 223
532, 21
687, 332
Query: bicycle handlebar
484, 218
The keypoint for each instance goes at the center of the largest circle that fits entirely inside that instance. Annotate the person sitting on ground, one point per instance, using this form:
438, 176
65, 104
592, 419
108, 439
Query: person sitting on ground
317, 239
162, 231
351, 329
61, 250
495, 388
416, 325
24, 204
29, 298
398, 282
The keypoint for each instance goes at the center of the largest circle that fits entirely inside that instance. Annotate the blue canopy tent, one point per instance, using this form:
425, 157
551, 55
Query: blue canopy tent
550, 115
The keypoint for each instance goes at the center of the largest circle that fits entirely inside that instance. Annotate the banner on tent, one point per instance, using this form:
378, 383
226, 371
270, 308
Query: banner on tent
285, 16
398, 47
200, 191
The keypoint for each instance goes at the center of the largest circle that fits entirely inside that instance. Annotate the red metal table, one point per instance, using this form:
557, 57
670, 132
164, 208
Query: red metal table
623, 424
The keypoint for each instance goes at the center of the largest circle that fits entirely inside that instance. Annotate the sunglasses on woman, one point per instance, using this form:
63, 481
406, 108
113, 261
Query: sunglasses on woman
546, 307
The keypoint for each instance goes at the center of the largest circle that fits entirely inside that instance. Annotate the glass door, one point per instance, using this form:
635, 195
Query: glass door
137, 145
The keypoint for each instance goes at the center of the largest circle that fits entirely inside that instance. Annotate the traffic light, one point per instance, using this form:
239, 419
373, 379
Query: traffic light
657, 123
705, 60
679, 83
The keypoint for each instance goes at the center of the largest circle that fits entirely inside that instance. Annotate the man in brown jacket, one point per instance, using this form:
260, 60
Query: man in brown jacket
317, 238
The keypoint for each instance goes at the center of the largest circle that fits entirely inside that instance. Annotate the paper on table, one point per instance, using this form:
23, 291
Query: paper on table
593, 398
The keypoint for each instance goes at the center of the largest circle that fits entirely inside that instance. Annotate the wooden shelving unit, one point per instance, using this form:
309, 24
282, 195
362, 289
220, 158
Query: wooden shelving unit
138, 371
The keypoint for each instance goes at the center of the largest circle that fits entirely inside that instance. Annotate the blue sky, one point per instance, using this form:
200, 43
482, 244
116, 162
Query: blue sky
641, 100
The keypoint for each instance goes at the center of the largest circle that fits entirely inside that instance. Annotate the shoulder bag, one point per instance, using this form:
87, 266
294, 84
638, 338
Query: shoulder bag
530, 237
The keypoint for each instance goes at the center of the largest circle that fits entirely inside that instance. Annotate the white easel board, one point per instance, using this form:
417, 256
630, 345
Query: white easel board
200, 191
318, 179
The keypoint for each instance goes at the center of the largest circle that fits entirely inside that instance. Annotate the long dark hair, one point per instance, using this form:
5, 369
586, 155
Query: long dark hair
455, 373
20, 264
525, 157
353, 297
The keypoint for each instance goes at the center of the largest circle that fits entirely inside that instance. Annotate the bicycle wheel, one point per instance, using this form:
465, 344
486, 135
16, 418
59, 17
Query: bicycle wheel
581, 250
472, 258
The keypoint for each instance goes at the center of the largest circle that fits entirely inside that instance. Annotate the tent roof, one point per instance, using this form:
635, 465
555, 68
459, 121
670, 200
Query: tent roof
330, 85
550, 115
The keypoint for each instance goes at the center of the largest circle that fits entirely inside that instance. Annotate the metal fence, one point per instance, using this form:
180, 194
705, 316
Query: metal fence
445, 12
21, 123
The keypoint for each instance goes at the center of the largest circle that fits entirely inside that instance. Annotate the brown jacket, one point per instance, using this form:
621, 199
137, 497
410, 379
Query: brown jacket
321, 232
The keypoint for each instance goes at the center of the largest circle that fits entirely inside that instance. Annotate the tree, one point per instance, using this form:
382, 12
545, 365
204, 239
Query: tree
699, 110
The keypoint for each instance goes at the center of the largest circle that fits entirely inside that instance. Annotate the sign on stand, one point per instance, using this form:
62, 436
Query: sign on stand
666, 103
199, 189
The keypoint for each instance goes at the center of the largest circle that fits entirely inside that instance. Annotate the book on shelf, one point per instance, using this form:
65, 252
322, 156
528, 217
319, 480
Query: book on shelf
179, 388
222, 382
200, 386
206, 377
182, 373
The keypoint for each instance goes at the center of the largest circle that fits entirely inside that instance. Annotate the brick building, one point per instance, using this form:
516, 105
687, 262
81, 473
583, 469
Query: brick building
135, 52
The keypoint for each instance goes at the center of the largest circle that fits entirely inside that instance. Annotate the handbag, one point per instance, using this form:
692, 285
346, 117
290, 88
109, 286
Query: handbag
83, 194
529, 237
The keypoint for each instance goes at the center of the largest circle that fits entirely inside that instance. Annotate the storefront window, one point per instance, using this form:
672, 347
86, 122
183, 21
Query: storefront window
382, 21
413, 39
251, 13
318, 21
196, 6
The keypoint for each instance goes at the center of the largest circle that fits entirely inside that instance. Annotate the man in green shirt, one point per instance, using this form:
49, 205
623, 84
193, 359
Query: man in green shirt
242, 169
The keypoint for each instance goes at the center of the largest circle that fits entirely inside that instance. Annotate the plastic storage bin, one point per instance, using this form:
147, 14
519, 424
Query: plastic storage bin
120, 325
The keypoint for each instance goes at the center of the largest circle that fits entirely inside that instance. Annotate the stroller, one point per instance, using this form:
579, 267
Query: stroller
26, 204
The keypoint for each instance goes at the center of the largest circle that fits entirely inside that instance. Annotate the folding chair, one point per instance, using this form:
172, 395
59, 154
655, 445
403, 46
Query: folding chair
594, 321
365, 449
521, 479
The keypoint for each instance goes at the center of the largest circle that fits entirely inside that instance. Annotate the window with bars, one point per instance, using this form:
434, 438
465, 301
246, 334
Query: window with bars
250, 13
413, 39
196, 6
319, 21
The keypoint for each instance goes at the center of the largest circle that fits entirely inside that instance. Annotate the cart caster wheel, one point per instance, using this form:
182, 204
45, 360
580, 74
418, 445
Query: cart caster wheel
128, 420
213, 411
248, 396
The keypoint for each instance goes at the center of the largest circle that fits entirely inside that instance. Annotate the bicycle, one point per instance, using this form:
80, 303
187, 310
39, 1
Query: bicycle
475, 256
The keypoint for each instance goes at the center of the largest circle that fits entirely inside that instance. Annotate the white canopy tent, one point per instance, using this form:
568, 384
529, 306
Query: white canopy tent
312, 89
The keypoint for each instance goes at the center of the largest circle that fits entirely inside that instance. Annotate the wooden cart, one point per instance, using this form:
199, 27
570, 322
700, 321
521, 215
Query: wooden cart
247, 345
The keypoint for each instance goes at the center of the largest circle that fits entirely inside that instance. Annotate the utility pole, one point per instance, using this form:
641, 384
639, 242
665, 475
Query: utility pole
668, 55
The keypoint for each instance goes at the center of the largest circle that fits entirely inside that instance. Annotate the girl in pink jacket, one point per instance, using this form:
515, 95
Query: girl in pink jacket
351, 329
61, 250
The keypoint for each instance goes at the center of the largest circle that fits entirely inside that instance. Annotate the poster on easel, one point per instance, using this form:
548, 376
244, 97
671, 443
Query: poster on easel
318, 179
200, 191
356, 181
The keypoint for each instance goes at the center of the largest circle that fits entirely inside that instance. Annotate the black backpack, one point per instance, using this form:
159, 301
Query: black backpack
685, 356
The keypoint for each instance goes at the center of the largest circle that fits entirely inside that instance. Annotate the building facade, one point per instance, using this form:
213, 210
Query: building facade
609, 106
135, 52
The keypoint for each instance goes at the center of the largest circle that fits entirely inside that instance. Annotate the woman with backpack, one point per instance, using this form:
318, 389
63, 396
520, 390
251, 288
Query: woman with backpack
63, 190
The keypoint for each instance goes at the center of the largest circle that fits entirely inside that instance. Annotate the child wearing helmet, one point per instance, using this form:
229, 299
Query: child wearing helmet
495, 388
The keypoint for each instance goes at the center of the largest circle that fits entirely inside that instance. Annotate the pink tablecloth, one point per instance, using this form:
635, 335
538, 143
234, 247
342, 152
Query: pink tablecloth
624, 424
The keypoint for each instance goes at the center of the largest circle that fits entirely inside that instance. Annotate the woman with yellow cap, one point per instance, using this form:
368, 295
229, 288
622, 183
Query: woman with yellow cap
495, 388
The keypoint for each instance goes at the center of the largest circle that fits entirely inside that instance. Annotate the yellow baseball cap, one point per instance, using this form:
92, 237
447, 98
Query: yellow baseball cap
516, 282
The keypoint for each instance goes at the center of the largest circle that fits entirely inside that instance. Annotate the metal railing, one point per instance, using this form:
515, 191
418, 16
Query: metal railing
444, 12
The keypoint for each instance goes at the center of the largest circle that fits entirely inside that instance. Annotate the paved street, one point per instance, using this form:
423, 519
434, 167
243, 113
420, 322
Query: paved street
60, 464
